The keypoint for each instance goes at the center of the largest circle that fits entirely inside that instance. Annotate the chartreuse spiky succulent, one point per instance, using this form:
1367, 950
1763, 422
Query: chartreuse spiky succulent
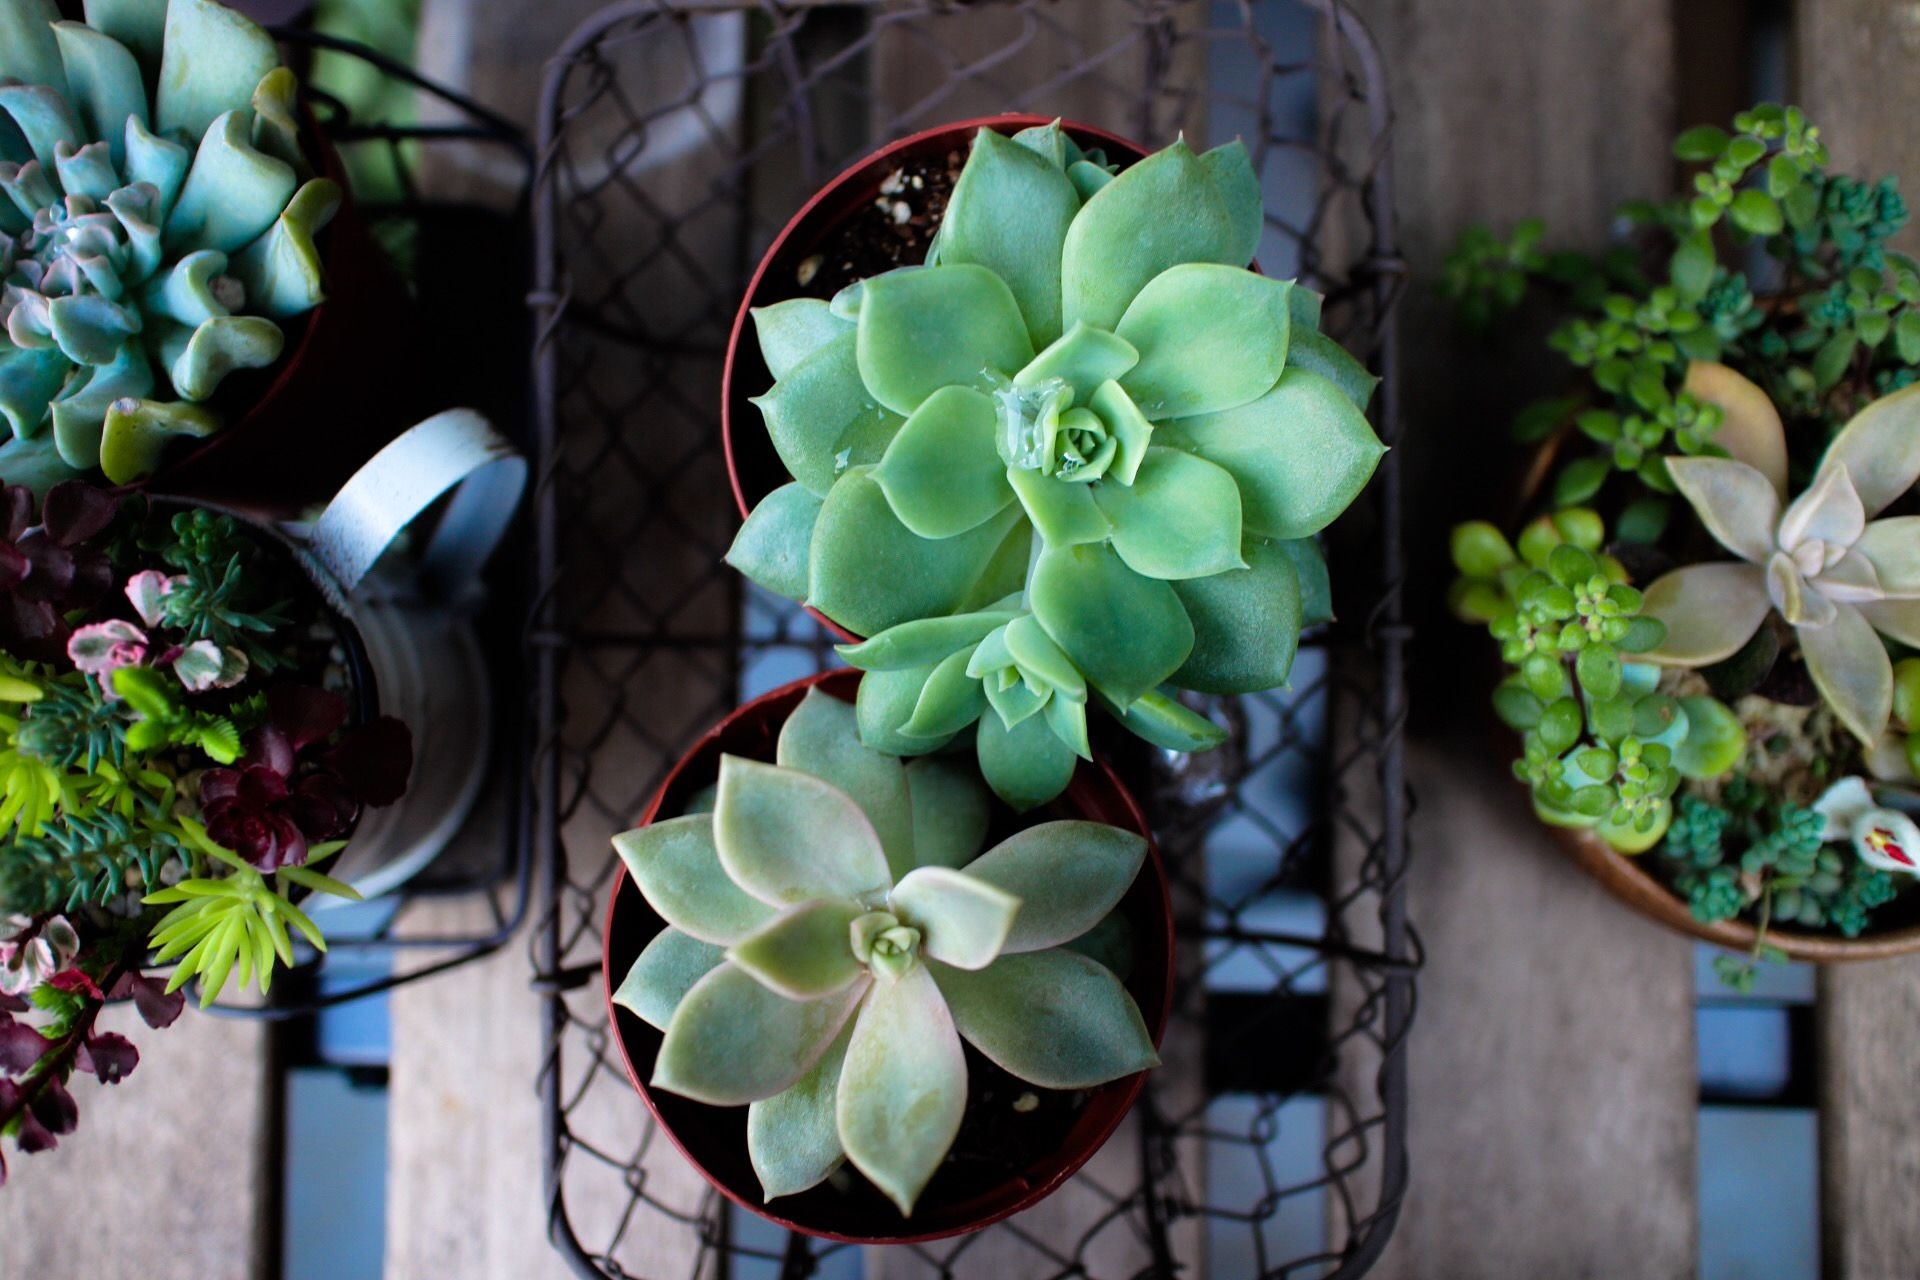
833, 939
1601, 745
157, 222
1838, 578
1087, 403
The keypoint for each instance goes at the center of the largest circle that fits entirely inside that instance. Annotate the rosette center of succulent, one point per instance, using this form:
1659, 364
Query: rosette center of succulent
883, 943
1041, 430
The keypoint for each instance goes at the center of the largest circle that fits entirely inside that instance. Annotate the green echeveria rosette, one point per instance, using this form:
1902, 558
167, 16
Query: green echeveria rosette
835, 934
157, 222
1082, 454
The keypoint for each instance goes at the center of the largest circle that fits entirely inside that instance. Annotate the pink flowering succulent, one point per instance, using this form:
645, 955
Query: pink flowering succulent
33, 951
101, 648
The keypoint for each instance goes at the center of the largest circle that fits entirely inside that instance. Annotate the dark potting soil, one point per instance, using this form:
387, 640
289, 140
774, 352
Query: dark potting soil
894, 230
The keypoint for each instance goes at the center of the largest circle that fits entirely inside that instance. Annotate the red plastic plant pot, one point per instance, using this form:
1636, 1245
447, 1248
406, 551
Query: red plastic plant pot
714, 1139
753, 467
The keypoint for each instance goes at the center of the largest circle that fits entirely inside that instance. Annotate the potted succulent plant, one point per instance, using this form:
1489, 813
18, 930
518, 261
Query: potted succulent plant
1030, 425
161, 208
1710, 633
924, 1037
187, 732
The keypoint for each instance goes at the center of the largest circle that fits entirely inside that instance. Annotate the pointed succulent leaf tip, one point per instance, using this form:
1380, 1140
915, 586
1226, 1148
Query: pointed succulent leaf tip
668, 967
822, 738
1734, 501
1067, 875
104, 83
1084, 358
1829, 513
281, 271
885, 703
787, 837
963, 920
924, 640
772, 544
950, 811
1009, 212
942, 473
1231, 169
1880, 449
821, 419
791, 331
903, 1087
1159, 717
1126, 632
951, 699
1709, 611
732, 1040
1850, 667
924, 328
1053, 1018
1210, 338
804, 952
793, 1138
1750, 430
676, 866
1180, 518
1026, 765
1246, 624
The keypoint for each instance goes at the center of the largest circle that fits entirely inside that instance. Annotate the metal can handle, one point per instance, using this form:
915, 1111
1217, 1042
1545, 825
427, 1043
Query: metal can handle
457, 451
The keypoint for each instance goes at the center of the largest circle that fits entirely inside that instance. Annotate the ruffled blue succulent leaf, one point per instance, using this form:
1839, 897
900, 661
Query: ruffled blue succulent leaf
136, 209
675, 863
106, 84
925, 640
1163, 211
1084, 357
1126, 633
197, 359
1055, 1019
1316, 587
140, 25
822, 738
35, 463
137, 433
793, 1138
88, 172
29, 380
963, 921
1180, 518
1087, 178
886, 702
668, 967
1210, 338
79, 412
772, 545
787, 837
1067, 875
903, 1087
1009, 213
159, 162
188, 291
1064, 514
803, 953
951, 811
1026, 765
733, 1041
276, 123
791, 331
1161, 718
1317, 353
821, 419
211, 60
1246, 624
924, 328
1301, 453
232, 194
281, 271
1037, 656
1128, 426
950, 700
43, 117
28, 51
942, 473
1231, 169
868, 572
88, 328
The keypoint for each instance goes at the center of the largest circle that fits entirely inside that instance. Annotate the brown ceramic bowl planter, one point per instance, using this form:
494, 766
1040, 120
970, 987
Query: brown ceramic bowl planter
753, 468
713, 1139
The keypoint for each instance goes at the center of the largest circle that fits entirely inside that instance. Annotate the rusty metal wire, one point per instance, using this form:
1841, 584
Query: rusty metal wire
676, 136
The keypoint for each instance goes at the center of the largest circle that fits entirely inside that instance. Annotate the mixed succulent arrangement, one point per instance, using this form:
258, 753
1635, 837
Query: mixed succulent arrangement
1081, 455
179, 753
157, 228
835, 937
1722, 666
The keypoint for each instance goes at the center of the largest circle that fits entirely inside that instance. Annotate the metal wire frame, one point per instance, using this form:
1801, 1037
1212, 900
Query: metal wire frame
505, 878
664, 168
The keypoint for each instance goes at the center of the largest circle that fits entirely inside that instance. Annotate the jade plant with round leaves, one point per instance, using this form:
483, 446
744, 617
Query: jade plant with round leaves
835, 934
1084, 410
157, 223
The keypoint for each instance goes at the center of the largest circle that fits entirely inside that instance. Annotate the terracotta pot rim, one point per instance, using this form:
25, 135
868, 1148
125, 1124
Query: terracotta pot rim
806, 215
1129, 1087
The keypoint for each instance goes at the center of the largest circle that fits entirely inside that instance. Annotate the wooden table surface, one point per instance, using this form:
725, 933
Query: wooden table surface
1554, 1094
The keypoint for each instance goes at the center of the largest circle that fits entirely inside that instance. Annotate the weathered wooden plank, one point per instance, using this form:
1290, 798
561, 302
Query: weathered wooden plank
1552, 1118
171, 1173
1855, 61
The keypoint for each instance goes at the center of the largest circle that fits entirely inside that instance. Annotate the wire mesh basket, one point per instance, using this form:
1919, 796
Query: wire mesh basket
676, 136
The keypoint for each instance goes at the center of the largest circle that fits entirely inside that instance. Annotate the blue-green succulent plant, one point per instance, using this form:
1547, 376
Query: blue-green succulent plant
1083, 451
157, 223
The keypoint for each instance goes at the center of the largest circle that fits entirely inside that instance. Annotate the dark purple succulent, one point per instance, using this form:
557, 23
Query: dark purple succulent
46, 568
